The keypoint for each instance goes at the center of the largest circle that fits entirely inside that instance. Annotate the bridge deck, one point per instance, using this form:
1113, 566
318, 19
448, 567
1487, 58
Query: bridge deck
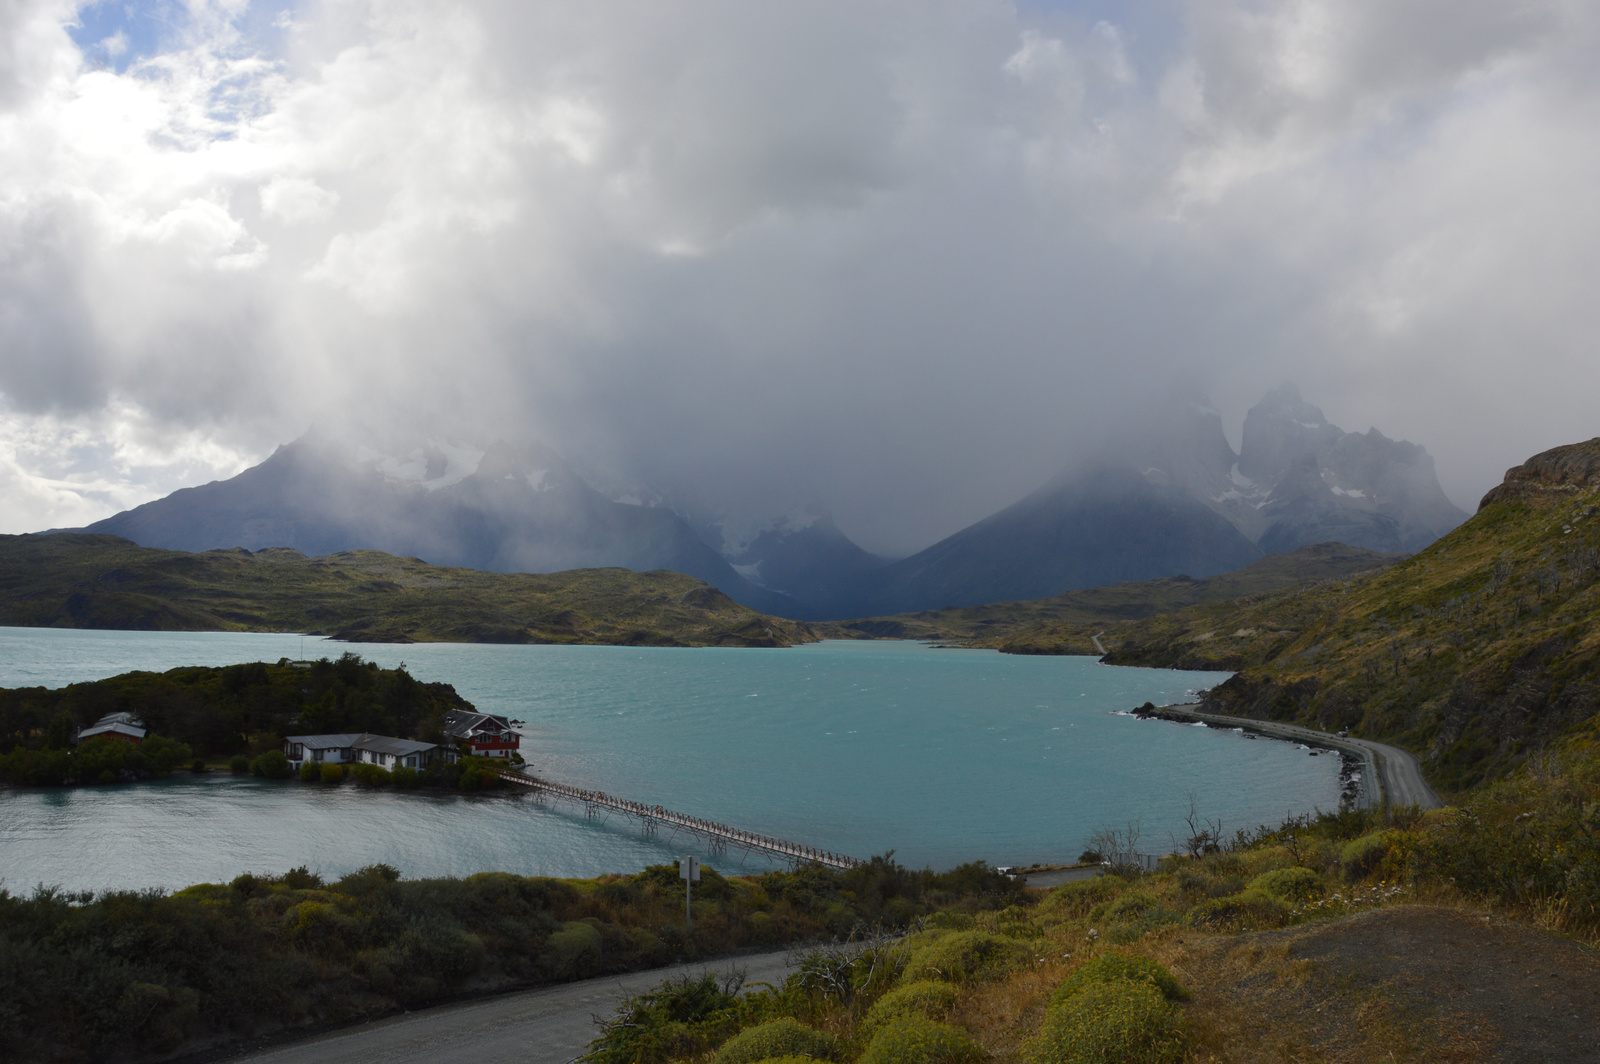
717, 836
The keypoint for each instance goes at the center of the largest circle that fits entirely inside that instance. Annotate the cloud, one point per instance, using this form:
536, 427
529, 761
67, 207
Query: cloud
903, 259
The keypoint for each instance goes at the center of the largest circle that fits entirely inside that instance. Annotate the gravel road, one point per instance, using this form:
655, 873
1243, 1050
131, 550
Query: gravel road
1399, 774
546, 1026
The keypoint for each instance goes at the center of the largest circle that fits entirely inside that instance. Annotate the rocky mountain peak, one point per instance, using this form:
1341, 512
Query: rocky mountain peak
1279, 431
1570, 468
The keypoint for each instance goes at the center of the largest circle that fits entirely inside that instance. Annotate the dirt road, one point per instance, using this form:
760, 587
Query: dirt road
1398, 774
546, 1026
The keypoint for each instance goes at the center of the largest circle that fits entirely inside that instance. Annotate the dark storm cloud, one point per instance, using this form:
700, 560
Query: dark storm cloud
905, 260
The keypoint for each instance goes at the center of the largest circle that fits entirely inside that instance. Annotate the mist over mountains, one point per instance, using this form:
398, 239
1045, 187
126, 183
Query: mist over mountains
1168, 500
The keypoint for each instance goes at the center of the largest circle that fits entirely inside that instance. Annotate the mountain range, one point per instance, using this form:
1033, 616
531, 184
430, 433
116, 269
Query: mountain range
1177, 500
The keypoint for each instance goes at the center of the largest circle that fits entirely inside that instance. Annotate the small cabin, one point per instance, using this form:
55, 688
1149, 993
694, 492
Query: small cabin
124, 726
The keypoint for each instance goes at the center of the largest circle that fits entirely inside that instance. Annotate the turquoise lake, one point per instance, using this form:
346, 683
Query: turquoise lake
942, 756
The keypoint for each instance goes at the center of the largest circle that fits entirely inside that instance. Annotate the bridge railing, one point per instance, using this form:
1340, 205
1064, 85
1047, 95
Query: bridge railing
710, 829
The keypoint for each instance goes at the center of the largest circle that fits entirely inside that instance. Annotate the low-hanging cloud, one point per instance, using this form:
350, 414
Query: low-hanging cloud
905, 260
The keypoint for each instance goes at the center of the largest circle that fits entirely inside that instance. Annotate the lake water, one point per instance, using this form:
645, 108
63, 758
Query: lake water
943, 756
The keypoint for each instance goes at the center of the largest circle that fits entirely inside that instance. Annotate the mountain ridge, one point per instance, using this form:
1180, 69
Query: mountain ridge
86, 580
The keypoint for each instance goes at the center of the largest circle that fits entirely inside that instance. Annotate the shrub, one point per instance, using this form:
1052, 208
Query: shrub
1361, 857
966, 956
786, 1037
927, 998
1127, 906
1247, 909
239, 765
405, 778
1076, 899
1111, 968
271, 765
1289, 884
369, 776
332, 773
197, 765
682, 1017
1120, 1022
573, 952
917, 1040
310, 771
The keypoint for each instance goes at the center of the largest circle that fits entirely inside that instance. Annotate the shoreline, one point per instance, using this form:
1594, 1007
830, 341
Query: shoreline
1390, 776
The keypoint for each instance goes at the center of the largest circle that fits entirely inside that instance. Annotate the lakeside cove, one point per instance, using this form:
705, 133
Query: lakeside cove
944, 756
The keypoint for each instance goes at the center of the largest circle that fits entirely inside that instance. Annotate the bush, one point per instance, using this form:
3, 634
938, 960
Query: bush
159, 755
573, 952
1127, 906
198, 765
403, 778
1110, 968
916, 1040
778, 1038
271, 765
239, 765
680, 1018
332, 773
1361, 857
1076, 899
927, 998
1247, 909
1289, 884
369, 776
310, 771
966, 957
1119, 1022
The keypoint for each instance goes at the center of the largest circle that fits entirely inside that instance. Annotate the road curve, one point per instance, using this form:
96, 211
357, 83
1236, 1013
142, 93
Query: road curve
550, 1025
1396, 772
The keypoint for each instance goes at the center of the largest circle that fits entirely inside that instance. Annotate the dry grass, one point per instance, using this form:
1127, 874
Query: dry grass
1002, 1016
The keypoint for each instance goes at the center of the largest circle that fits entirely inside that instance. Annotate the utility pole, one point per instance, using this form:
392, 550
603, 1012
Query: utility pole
689, 872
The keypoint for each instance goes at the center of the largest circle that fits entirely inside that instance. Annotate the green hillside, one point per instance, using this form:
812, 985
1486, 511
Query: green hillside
99, 581
1064, 623
1476, 653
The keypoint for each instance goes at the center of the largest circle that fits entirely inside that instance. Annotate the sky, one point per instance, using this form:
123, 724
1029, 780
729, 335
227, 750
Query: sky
903, 260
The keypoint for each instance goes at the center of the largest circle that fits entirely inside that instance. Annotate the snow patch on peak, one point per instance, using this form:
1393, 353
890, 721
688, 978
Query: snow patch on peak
737, 536
540, 479
435, 465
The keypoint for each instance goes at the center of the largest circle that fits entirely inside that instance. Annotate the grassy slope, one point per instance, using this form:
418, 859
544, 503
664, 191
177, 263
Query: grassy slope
1476, 653
97, 581
1063, 624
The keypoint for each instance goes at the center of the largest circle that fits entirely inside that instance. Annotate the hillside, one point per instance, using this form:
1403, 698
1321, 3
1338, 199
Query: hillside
1063, 624
101, 581
1476, 653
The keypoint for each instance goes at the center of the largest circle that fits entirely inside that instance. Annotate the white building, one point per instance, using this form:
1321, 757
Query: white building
348, 748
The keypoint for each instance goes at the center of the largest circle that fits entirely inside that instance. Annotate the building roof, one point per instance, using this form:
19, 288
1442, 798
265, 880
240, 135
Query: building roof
378, 744
337, 741
463, 725
383, 744
112, 727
